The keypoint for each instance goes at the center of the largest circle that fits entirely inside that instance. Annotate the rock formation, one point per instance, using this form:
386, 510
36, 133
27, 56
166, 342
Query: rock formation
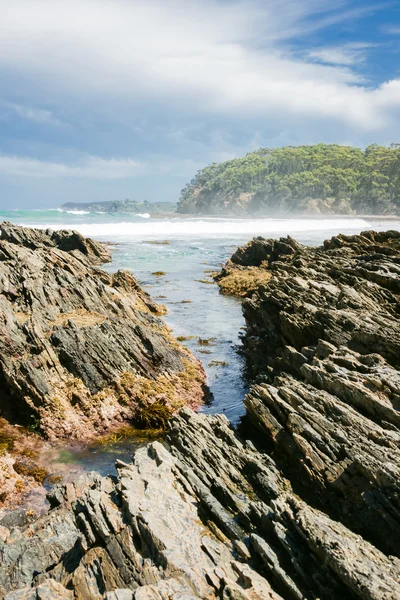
82, 350
301, 502
207, 516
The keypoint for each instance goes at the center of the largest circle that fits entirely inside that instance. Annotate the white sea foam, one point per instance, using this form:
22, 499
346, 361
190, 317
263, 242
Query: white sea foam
213, 227
75, 212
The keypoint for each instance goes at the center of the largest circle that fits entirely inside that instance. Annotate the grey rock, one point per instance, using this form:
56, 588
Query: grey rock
301, 502
82, 349
50, 590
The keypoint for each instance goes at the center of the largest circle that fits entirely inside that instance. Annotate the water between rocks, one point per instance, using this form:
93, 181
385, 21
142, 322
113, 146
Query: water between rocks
196, 309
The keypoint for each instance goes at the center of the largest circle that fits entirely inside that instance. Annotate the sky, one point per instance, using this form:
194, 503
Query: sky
114, 99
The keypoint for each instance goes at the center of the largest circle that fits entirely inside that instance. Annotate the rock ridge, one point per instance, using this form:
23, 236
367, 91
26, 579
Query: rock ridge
203, 515
82, 350
302, 501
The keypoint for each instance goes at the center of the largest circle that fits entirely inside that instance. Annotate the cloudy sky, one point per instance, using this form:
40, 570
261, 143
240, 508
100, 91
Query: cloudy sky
114, 99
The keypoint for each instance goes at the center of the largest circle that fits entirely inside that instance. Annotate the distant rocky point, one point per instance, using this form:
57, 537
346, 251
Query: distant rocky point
121, 206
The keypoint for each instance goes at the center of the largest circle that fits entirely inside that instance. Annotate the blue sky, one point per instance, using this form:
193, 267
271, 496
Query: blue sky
113, 99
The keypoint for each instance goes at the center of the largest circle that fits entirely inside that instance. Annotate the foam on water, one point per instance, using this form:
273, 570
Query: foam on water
214, 228
75, 212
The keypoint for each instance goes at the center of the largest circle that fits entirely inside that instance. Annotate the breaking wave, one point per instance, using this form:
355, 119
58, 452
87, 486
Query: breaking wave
212, 227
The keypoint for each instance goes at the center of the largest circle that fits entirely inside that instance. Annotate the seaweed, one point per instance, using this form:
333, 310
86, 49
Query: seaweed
206, 341
157, 242
34, 471
153, 416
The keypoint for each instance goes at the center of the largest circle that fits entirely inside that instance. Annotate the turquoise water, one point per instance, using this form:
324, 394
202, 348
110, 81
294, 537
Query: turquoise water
195, 308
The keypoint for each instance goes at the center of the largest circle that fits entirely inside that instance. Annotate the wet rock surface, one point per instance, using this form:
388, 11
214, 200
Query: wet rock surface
81, 351
302, 502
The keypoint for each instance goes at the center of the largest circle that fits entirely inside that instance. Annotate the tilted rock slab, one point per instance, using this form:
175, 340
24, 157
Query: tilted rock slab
323, 341
207, 516
81, 349
303, 505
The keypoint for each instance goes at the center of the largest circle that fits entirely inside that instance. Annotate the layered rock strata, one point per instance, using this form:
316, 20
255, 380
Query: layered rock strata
302, 502
207, 516
81, 350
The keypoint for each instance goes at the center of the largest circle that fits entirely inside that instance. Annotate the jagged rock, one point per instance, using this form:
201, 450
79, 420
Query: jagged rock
49, 590
80, 345
302, 502
66, 240
343, 293
82, 350
142, 533
323, 338
207, 515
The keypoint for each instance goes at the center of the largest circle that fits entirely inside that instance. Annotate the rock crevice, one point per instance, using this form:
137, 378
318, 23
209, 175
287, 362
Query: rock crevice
301, 502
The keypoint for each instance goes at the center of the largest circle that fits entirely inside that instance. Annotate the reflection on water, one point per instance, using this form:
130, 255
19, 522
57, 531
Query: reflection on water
67, 463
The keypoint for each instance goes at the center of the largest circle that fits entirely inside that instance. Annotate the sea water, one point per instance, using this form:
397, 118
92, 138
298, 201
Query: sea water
196, 309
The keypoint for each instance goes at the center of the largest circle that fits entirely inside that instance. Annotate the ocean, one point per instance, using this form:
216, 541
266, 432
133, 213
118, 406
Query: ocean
196, 309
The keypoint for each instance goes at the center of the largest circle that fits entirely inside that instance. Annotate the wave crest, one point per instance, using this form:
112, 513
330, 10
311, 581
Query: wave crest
213, 227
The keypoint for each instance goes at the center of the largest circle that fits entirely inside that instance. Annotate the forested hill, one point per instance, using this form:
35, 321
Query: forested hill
320, 179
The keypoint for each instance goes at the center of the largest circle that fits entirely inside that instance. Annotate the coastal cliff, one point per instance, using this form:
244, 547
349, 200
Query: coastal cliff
301, 501
299, 180
82, 351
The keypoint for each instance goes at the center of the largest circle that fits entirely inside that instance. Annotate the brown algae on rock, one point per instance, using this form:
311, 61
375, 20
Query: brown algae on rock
156, 242
206, 341
25, 468
242, 281
207, 281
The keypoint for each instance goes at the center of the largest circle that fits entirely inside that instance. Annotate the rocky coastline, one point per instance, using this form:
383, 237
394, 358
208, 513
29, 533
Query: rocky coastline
302, 501
82, 351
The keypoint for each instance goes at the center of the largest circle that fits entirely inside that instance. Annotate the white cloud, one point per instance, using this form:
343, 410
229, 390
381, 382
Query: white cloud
37, 115
91, 167
206, 57
347, 54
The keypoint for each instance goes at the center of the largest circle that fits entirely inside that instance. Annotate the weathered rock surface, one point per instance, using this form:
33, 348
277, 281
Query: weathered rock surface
303, 503
210, 516
80, 346
323, 337
81, 350
345, 292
